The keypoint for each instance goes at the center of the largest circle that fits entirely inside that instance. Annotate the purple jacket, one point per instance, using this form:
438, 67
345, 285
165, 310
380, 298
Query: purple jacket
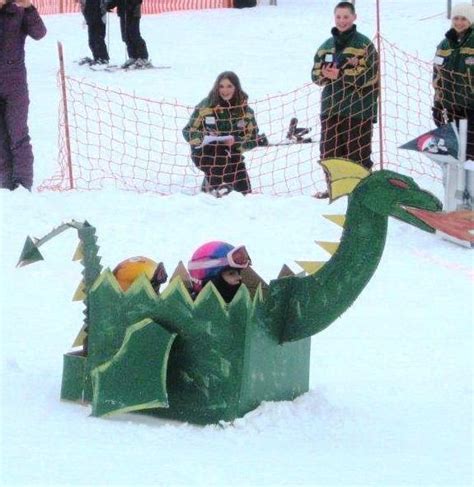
15, 24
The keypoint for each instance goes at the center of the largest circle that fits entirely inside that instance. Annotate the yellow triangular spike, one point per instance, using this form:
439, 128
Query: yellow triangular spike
337, 219
80, 293
79, 252
343, 176
330, 247
79, 341
310, 266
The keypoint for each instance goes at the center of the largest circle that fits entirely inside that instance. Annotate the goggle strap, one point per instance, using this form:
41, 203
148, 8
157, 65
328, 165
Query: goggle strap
228, 260
207, 264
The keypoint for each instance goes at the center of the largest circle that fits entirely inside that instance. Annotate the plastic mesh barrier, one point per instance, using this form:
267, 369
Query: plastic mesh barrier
132, 143
148, 7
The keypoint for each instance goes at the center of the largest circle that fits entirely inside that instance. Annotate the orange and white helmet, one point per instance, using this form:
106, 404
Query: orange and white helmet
128, 270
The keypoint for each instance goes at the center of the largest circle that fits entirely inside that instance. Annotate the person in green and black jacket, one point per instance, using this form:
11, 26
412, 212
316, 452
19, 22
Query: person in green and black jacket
346, 66
453, 74
221, 128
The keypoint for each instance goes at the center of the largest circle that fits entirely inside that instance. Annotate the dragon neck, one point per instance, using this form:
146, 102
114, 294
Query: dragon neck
312, 303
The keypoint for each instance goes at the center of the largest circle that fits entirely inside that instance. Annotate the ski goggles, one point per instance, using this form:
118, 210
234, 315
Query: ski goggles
237, 258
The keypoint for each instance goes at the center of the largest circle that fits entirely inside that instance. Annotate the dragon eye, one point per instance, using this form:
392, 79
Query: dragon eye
398, 183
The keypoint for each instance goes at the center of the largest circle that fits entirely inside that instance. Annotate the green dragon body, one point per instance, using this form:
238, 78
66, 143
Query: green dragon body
204, 361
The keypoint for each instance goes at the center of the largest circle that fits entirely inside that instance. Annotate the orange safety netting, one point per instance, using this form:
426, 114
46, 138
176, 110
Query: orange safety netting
148, 7
118, 139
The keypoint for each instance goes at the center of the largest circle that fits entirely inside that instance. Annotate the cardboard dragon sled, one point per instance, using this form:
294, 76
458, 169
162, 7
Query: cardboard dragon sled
206, 361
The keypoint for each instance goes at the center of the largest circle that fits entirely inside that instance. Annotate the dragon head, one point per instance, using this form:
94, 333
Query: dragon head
391, 194
384, 192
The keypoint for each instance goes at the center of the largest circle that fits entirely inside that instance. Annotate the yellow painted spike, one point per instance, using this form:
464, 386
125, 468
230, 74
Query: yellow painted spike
342, 187
330, 247
79, 253
310, 266
343, 176
344, 168
80, 293
337, 219
79, 341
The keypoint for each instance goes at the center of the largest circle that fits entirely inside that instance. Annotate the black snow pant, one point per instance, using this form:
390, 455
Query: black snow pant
244, 3
16, 153
95, 29
222, 166
130, 30
347, 138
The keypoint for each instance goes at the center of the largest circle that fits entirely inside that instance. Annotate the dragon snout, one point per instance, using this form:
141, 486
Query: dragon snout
459, 224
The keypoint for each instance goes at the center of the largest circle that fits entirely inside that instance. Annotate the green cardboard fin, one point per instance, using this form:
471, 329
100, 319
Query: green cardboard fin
29, 254
135, 378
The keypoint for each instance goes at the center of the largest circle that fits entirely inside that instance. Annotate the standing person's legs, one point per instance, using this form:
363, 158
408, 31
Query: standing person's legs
124, 34
328, 137
135, 42
16, 120
6, 164
96, 30
360, 142
334, 140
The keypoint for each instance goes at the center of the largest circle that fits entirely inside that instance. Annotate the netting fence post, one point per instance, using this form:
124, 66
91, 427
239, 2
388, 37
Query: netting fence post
380, 114
67, 141
456, 190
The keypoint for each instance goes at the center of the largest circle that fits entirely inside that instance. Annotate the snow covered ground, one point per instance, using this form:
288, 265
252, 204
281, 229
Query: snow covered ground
390, 400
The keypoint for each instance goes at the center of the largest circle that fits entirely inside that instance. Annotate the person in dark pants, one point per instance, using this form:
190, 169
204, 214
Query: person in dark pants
453, 72
346, 65
17, 20
245, 3
94, 15
129, 12
220, 129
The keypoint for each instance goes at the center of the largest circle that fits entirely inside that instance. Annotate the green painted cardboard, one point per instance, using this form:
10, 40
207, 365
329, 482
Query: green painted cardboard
141, 363
74, 376
211, 361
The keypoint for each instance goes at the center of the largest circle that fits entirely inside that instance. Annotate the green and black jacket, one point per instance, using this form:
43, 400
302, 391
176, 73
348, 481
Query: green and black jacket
454, 70
354, 93
238, 121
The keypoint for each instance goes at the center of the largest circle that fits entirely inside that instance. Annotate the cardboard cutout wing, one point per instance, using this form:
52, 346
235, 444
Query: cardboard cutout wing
440, 145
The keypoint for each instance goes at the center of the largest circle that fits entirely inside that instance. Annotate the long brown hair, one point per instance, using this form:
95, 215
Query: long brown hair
240, 97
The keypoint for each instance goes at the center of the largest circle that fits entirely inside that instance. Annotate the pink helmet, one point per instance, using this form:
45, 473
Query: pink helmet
210, 259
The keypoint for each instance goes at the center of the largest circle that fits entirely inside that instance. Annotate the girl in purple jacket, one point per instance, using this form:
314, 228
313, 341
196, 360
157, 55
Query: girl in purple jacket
18, 19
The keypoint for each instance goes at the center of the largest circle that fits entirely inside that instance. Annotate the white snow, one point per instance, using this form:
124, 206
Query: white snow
390, 400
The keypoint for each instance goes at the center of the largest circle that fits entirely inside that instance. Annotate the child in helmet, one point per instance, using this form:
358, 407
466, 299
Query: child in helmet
220, 263
130, 269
